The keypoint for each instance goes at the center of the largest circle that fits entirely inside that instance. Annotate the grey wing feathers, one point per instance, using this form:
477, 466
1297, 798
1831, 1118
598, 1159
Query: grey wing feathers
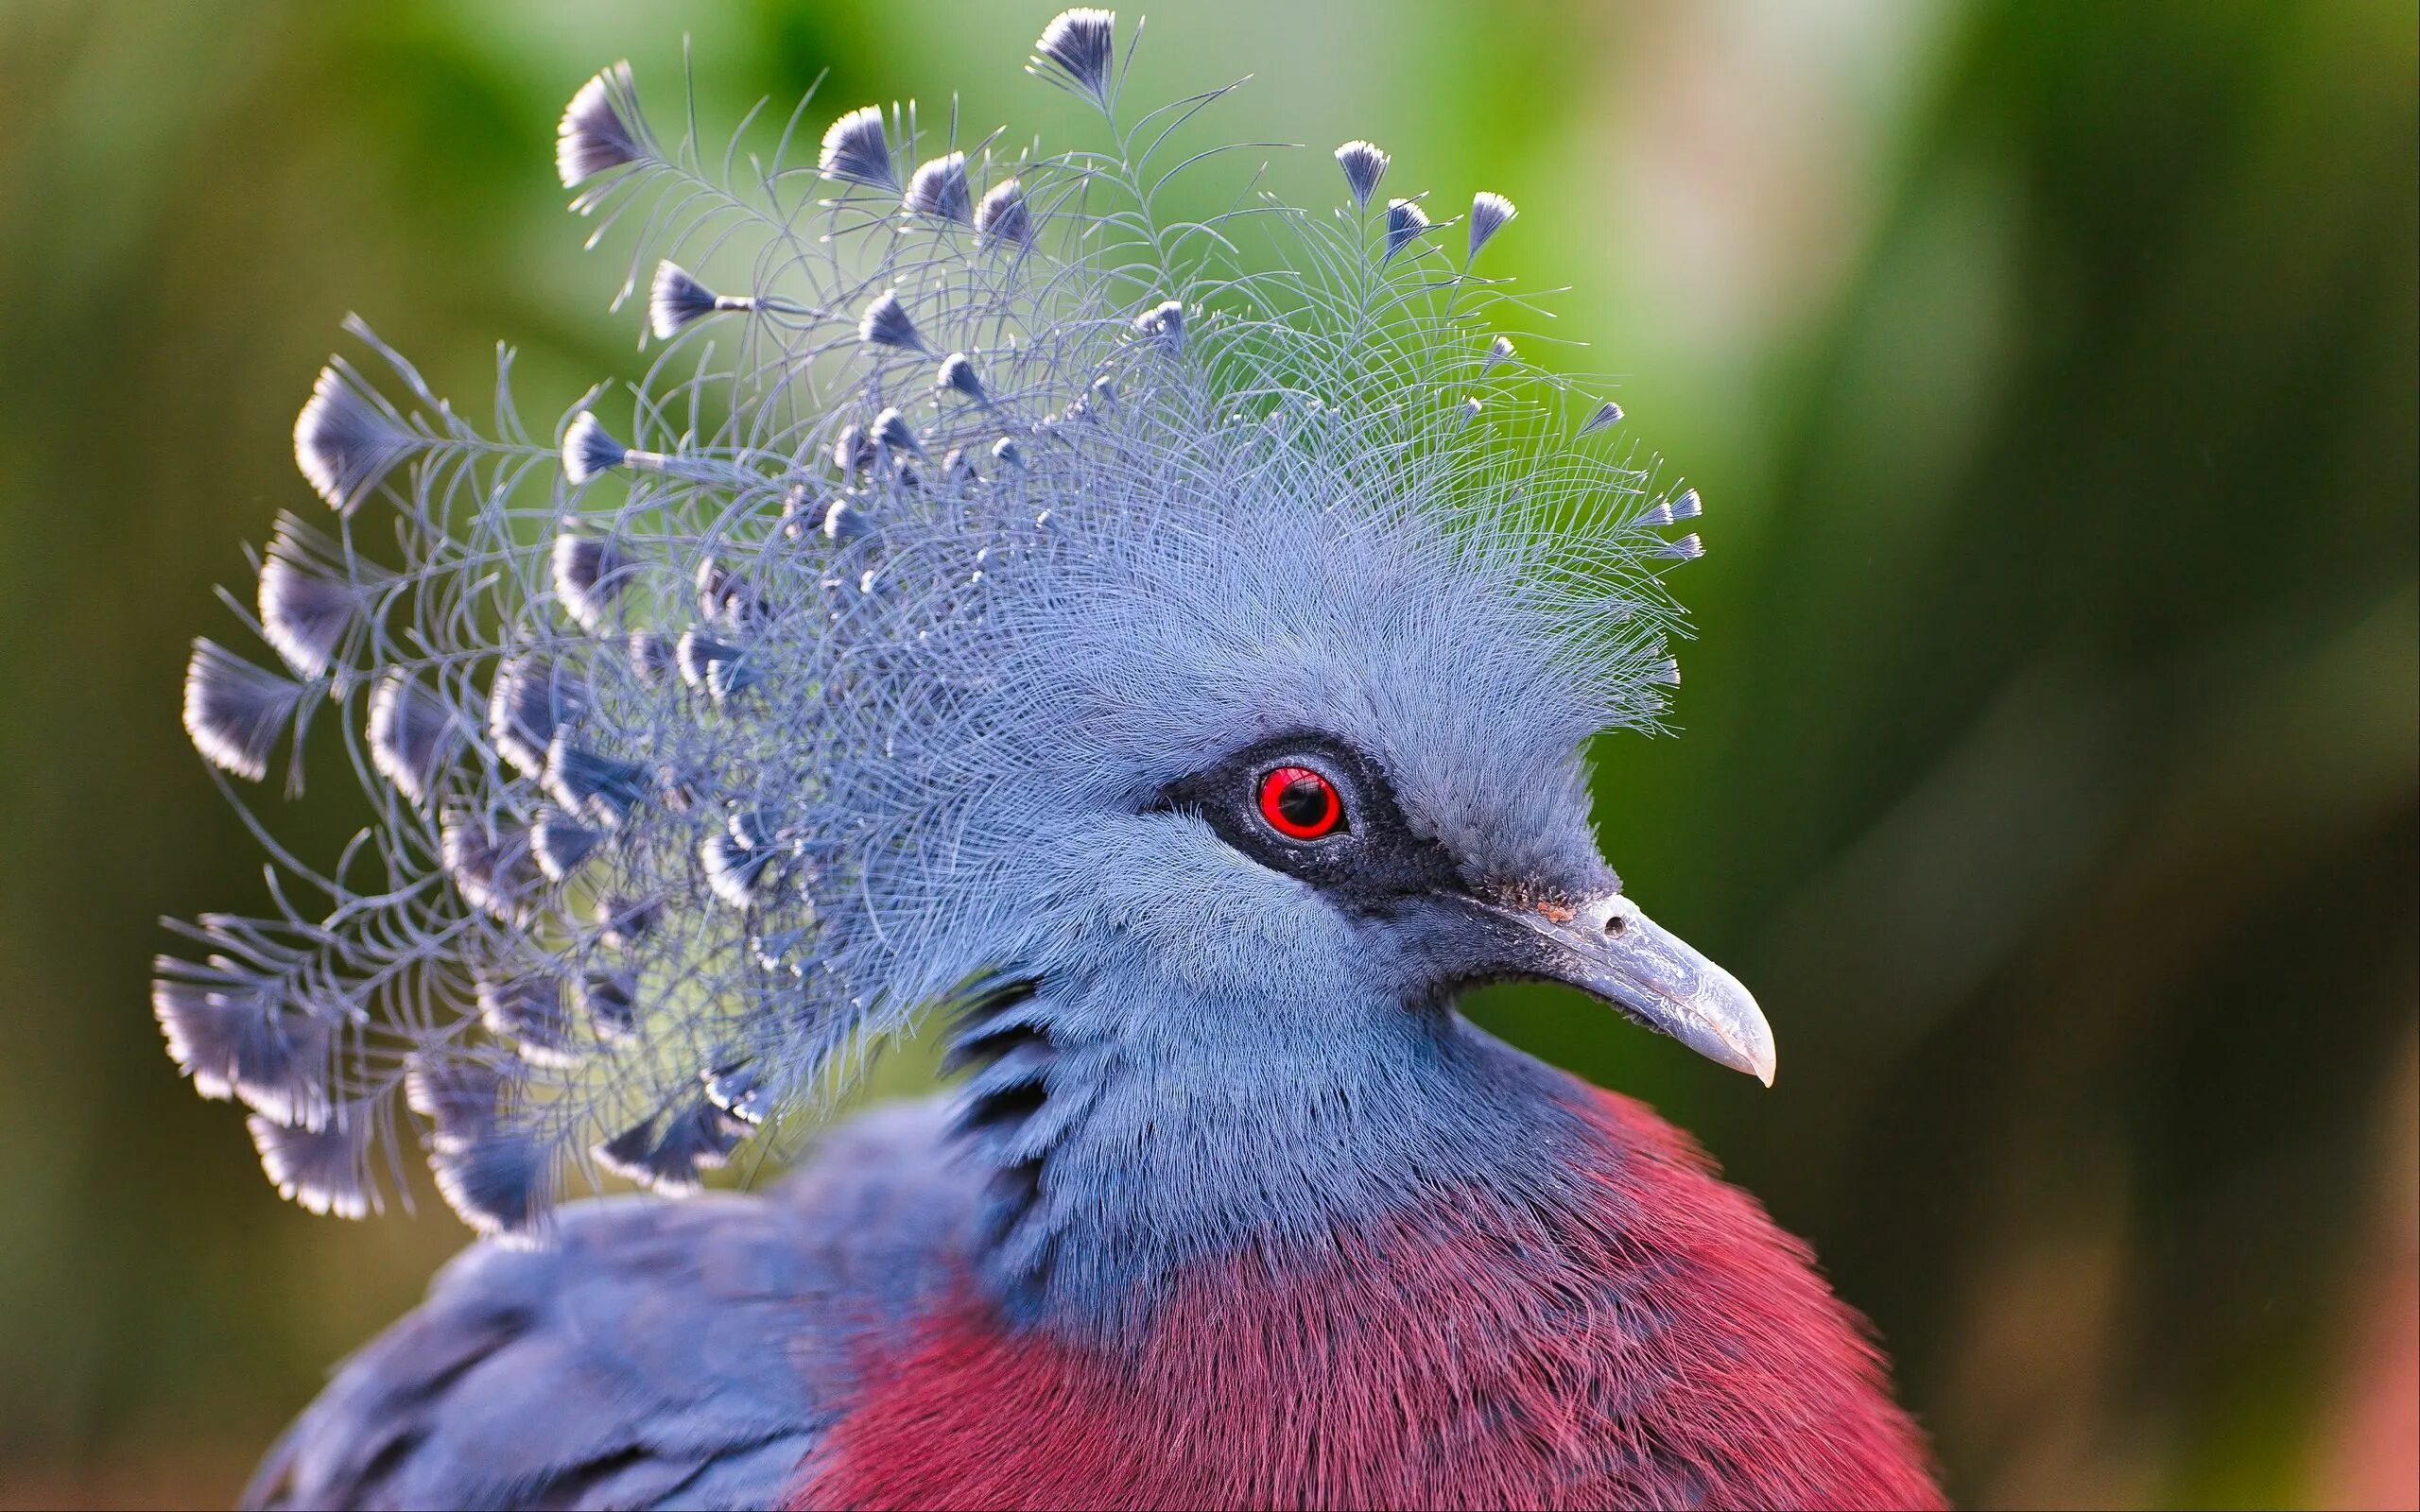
660, 1353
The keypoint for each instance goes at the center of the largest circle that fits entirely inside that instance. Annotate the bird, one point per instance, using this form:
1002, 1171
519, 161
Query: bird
1152, 652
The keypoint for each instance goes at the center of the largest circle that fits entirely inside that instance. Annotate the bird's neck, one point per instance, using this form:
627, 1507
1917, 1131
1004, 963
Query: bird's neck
1569, 1310
1113, 1165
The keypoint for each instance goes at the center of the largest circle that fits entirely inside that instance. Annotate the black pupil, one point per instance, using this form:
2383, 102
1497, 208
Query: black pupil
1304, 803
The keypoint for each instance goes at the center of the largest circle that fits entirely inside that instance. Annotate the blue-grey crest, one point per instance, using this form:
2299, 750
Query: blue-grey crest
848, 665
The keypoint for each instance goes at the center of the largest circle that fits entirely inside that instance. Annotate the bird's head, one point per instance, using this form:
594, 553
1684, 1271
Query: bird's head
1006, 593
1296, 763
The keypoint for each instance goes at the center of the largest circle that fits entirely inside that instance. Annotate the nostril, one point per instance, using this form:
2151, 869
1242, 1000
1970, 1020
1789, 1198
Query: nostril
1615, 925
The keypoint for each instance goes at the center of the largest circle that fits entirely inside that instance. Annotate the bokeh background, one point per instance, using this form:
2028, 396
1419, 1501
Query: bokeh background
2050, 761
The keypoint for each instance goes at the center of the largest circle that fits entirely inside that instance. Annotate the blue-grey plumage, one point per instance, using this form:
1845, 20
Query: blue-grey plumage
704, 757
656, 1354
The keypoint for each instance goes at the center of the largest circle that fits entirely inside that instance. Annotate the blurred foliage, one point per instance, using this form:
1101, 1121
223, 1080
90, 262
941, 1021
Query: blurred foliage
2050, 766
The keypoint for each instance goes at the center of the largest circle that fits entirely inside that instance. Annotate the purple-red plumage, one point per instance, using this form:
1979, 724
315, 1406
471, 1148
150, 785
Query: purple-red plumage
1652, 1341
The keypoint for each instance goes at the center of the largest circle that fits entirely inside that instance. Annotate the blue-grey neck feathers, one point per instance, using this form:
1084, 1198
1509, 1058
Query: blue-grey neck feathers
959, 513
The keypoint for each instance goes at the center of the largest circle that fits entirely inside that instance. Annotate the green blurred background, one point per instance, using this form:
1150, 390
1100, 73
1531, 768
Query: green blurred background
2049, 757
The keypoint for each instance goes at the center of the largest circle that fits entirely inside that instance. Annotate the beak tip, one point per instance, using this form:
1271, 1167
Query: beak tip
1746, 1038
1756, 1058
1735, 1032
1762, 1060
1742, 1044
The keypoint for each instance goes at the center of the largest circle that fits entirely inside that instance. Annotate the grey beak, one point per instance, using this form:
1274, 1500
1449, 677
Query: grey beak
1610, 949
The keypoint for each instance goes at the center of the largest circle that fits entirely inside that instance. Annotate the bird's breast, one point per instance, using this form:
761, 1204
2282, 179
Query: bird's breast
1651, 1339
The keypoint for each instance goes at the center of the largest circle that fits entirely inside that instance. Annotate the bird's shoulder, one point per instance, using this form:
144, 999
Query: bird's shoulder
656, 1352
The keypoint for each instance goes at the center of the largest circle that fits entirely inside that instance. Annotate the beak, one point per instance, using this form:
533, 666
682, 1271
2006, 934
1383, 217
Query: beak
1611, 950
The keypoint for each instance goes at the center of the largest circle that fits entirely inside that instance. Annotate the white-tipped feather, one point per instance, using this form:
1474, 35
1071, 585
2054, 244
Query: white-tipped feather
1490, 213
852, 452
857, 149
532, 699
1606, 415
499, 1185
650, 657
886, 324
1077, 50
724, 597
602, 789
676, 300
843, 522
414, 734
600, 129
737, 1092
1364, 164
236, 1038
494, 874
310, 599
345, 442
589, 450
719, 668
561, 842
740, 875
1164, 325
890, 429
459, 1098
939, 189
1002, 216
590, 574
665, 1154
235, 711
324, 1170
527, 1011
608, 1000
1406, 223
958, 375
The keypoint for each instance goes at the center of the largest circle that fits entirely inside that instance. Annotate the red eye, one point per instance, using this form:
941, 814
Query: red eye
1300, 803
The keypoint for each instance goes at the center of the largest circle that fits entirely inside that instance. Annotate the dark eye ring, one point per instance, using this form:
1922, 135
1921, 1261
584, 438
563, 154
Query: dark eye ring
1300, 803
